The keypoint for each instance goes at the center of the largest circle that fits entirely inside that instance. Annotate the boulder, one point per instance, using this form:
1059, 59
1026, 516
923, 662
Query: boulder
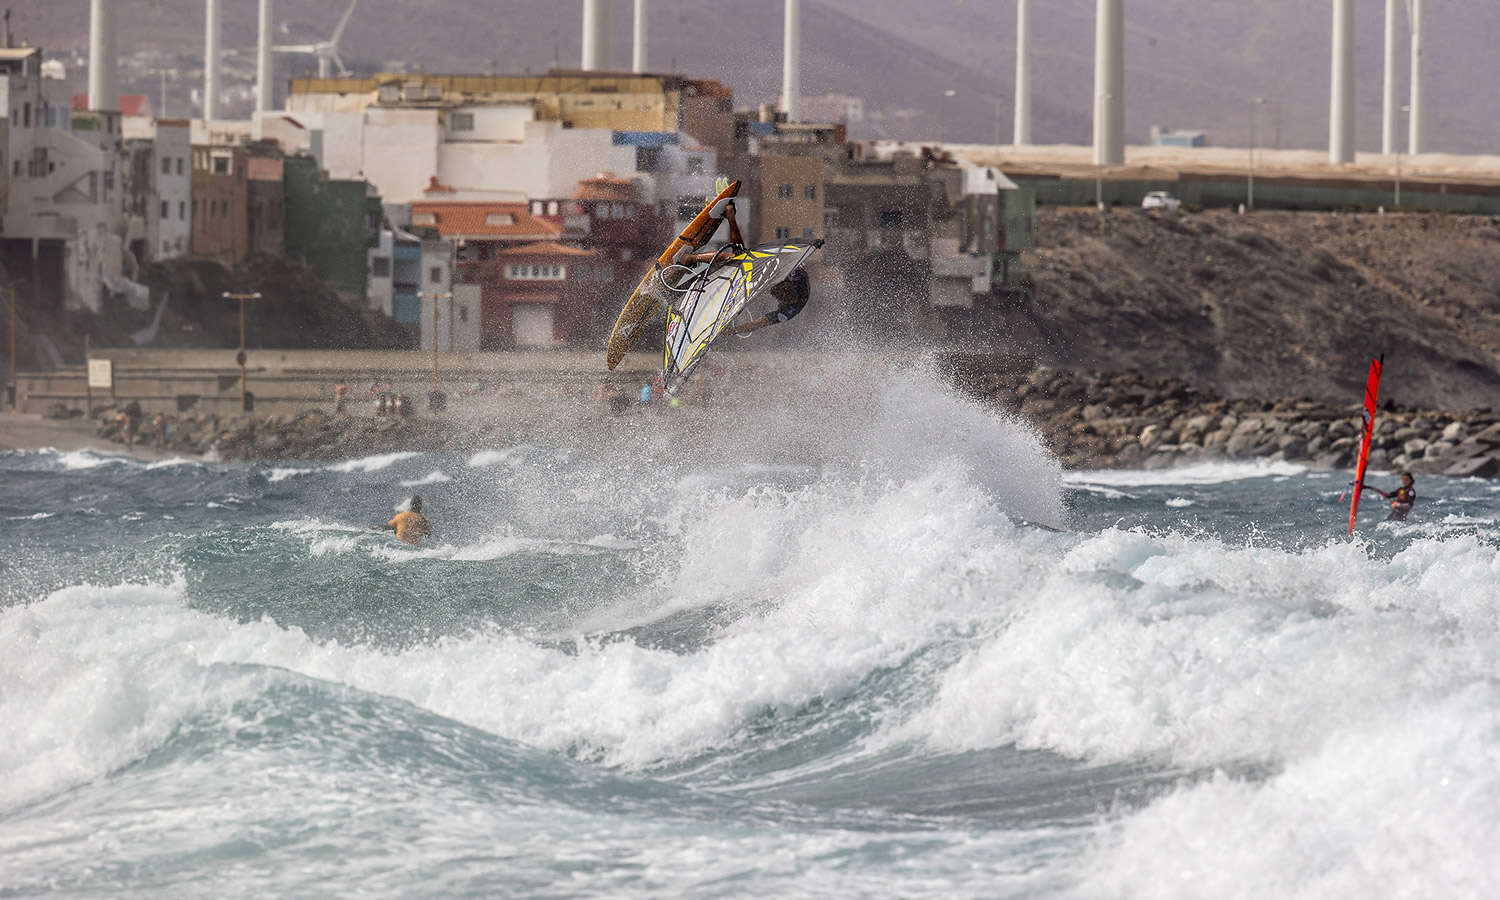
1489, 436
1475, 467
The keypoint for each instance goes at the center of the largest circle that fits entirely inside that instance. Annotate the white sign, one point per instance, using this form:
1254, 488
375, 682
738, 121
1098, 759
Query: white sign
101, 374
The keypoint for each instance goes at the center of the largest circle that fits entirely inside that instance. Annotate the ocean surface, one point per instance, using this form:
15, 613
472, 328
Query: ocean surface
879, 647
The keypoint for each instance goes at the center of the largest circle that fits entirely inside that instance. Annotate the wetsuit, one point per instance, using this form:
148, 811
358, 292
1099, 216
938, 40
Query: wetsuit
791, 295
1401, 500
410, 527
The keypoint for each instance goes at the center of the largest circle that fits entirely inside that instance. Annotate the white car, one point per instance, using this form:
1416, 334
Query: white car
1160, 200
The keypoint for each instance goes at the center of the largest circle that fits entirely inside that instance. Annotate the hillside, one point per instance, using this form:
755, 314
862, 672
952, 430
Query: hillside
1272, 304
1188, 63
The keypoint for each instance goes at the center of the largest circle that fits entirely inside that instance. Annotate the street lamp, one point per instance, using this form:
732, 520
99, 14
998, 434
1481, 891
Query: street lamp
942, 115
240, 357
1255, 106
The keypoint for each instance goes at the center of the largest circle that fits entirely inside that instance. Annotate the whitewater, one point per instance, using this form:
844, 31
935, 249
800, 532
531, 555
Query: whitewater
851, 638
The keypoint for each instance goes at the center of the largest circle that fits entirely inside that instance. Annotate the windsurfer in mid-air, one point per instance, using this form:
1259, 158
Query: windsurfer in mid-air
1401, 498
791, 295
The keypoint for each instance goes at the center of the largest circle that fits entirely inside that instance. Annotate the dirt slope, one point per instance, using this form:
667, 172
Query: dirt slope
1272, 304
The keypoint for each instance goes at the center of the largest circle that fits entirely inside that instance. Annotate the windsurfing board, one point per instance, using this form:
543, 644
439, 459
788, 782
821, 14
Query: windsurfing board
718, 296
647, 297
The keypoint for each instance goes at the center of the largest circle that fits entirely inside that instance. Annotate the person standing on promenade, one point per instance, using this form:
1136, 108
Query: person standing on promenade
340, 391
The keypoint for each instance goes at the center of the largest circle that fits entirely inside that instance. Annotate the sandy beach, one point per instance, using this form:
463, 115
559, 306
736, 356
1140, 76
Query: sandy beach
28, 431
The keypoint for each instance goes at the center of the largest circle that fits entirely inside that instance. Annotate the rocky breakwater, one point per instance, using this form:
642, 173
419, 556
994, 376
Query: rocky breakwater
309, 435
1126, 420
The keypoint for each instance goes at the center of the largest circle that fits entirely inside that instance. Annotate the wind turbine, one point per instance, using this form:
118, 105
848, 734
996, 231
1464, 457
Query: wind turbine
325, 50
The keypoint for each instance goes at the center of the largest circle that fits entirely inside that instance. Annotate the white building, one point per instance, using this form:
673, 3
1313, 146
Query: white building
63, 212
457, 319
166, 216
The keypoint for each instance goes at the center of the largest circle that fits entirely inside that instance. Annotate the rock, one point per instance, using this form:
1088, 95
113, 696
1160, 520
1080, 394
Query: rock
1218, 438
1454, 432
271, 442
1341, 428
1475, 467
1489, 436
1414, 447
1439, 449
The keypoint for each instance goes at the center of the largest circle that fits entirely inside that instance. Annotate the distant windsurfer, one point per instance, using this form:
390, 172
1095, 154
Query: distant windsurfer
410, 526
791, 295
1401, 498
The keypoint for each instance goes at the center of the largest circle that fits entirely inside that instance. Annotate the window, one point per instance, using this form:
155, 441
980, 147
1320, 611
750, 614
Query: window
179, 165
630, 210
463, 313
436, 275
495, 219
166, 209
810, 192
221, 165
783, 192
461, 121
424, 218
534, 272
182, 210
380, 267
551, 207
166, 165
783, 233
18, 168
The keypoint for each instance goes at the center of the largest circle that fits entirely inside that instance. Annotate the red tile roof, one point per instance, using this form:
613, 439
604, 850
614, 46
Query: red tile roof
497, 220
544, 248
606, 187
130, 104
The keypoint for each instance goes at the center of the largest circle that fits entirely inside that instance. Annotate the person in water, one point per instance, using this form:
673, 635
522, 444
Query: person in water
791, 295
410, 526
1401, 498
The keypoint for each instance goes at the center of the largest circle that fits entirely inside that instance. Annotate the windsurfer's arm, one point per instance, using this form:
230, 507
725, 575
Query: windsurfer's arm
1371, 487
734, 226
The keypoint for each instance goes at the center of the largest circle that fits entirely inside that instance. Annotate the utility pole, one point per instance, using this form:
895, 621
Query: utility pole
240, 357
1255, 106
14, 387
435, 298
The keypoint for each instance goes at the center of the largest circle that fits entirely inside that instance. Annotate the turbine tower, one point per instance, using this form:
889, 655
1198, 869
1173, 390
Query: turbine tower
791, 62
1417, 138
1341, 99
1390, 117
638, 56
1022, 133
326, 51
213, 38
104, 63
263, 69
1109, 84
595, 35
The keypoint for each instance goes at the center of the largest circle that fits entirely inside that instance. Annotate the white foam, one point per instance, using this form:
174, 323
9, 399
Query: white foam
1201, 473
370, 463
283, 473
485, 458
1404, 804
1141, 646
1179, 502
433, 477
